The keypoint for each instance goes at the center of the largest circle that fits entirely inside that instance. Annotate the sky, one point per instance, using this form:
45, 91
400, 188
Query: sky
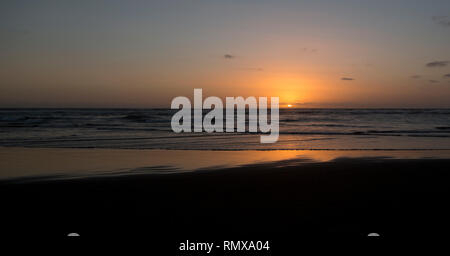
356, 54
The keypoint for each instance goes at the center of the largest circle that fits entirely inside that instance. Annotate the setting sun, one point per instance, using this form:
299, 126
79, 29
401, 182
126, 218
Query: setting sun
289, 106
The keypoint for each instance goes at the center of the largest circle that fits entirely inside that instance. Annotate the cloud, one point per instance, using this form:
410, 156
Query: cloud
435, 64
347, 79
228, 56
442, 20
447, 75
433, 81
310, 50
415, 77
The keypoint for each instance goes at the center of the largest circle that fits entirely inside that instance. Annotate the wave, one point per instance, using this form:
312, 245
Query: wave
13, 118
367, 111
148, 118
118, 128
136, 117
339, 125
374, 132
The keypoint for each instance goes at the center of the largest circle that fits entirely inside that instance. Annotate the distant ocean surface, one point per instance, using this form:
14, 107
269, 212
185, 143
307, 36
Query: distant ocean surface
300, 129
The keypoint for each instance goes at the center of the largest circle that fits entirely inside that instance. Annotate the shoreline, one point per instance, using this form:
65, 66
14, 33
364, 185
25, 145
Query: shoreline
28, 162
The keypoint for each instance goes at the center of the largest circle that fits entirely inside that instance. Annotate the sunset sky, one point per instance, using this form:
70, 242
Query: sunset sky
144, 53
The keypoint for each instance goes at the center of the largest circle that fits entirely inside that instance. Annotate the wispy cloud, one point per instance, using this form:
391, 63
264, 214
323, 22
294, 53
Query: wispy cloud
447, 75
433, 81
310, 50
442, 20
347, 79
435, 64
229, 56
415, 77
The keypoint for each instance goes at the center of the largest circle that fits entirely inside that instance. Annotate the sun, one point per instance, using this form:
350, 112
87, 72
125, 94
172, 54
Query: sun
289, 106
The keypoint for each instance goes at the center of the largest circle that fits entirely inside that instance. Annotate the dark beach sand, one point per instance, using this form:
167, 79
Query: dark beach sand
285, 202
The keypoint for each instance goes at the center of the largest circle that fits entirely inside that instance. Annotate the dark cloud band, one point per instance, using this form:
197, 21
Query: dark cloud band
435, 64
442, 20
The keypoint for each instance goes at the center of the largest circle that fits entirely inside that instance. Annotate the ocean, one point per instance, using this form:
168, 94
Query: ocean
123, 174
300, 129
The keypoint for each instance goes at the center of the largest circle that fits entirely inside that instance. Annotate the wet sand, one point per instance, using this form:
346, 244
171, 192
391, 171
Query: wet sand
283, 202
57, 163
